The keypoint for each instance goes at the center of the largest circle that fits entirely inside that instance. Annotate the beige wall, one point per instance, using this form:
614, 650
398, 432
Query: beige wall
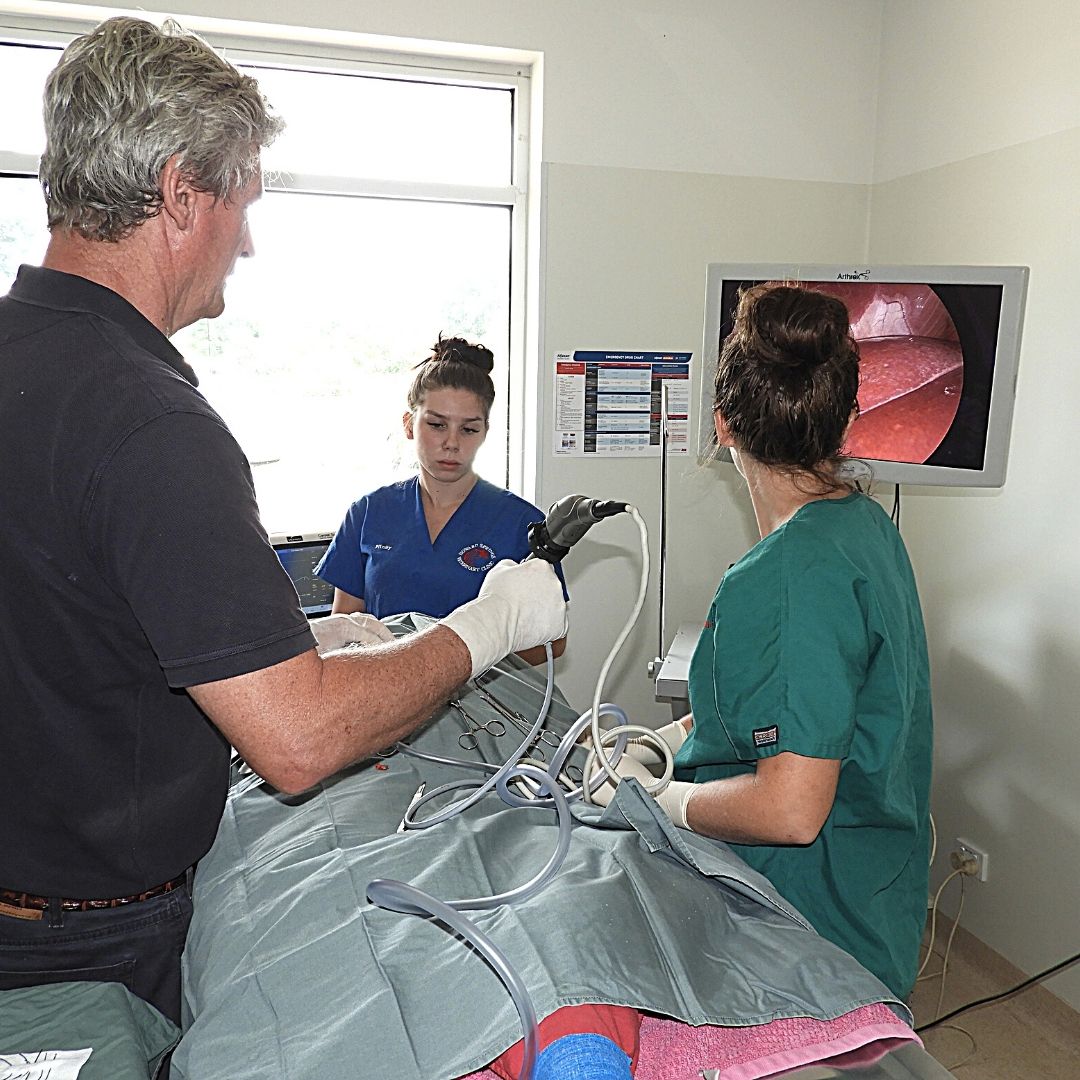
996, 180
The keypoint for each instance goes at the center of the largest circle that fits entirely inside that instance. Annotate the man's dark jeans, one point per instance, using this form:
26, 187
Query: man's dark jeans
138, 945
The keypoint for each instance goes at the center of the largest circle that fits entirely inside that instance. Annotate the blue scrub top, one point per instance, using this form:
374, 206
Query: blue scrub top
383, 555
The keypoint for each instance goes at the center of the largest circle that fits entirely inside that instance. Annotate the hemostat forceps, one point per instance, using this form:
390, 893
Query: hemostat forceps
515, 718
467, 740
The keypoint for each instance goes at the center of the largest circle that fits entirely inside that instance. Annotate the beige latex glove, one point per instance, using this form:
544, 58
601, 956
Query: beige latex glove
673, 800
338, 631
673, 736
520, 606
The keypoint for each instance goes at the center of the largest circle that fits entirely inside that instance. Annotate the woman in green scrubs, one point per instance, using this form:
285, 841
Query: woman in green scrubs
809, 744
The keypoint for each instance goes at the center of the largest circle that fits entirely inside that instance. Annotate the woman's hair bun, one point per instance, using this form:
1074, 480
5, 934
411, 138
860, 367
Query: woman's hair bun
457, 350
793, 329
787, 381
455, 364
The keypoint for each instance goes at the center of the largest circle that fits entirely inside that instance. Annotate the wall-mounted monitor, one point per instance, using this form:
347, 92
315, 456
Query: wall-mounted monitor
938, 346
300, 554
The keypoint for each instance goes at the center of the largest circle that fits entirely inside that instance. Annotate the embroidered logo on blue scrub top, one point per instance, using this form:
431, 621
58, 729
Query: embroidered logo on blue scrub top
476, 557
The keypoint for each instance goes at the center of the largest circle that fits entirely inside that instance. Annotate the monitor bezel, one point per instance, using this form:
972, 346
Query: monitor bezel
1013, 281
295, 541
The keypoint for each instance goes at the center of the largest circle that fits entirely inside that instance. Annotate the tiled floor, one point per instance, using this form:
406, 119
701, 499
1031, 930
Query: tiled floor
1034, 1036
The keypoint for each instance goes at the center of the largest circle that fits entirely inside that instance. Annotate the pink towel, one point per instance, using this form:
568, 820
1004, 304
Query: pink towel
671, 1050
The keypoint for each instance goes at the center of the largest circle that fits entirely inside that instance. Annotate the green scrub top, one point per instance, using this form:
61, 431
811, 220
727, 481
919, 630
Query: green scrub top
815, 644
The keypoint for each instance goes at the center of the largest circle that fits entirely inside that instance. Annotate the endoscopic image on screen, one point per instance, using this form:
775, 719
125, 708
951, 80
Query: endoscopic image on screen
911, 369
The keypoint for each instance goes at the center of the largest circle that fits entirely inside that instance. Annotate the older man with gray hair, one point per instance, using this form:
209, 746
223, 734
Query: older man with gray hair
146, 623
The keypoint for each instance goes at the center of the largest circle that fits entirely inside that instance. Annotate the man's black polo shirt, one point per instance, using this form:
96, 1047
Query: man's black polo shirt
133, 564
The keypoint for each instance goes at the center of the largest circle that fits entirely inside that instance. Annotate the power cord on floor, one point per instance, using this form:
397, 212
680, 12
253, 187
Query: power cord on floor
933, 927
972, 1050
948, 949
993, 998
942, 974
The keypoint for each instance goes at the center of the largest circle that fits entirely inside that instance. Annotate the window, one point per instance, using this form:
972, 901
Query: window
22, 219
393, 211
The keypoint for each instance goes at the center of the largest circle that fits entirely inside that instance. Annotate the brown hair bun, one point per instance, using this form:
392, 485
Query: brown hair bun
455, 364
458, 350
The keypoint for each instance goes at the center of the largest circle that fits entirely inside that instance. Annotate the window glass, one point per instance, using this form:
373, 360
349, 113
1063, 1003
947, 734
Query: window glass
23, 235
310, 364
389, 129
23, 69
311, 361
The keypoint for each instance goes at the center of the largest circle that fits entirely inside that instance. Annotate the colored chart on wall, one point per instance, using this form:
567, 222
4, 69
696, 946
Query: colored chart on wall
611, 404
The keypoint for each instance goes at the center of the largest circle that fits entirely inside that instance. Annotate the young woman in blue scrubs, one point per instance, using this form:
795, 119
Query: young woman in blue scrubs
809, 744
424, 544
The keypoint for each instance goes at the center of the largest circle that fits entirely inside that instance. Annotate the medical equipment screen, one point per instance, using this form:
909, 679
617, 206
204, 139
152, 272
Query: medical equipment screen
300, 559
938, 353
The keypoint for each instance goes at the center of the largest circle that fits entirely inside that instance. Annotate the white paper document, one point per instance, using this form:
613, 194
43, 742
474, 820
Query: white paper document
44, 1065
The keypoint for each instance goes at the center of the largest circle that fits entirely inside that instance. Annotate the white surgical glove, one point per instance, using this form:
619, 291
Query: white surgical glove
673, 800
673, 735
520, 606
354, 628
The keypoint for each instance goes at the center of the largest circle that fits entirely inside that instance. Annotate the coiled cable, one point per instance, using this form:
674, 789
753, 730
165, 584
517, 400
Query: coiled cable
522, 783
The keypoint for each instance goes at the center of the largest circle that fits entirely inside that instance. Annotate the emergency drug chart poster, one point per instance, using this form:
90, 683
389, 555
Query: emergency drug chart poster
610, 404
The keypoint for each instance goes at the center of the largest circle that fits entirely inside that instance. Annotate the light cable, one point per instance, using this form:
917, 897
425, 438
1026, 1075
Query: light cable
933, 924
607, 766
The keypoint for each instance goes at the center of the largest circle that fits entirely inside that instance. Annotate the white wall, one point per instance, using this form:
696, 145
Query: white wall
978, 157
779, 88
626, 253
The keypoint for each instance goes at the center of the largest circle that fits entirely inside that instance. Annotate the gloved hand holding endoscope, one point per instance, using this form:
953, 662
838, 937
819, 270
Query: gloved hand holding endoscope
517, 607
520, 606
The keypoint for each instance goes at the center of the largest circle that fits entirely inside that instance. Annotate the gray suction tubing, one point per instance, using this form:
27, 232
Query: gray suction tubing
545, 782
413, 822
407, 899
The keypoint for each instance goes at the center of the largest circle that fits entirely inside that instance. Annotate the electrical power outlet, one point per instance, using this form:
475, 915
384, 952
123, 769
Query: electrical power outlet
965, 853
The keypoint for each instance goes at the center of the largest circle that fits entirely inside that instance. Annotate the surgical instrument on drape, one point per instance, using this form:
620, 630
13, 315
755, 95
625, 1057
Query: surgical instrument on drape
468, 740
515, 718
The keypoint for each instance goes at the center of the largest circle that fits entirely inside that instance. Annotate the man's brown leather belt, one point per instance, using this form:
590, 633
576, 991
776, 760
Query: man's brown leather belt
14, 898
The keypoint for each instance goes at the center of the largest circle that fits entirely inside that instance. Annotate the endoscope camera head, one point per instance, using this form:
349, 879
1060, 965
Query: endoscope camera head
567, 521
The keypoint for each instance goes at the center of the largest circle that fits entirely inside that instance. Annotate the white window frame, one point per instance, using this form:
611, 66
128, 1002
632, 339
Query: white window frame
311, 49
